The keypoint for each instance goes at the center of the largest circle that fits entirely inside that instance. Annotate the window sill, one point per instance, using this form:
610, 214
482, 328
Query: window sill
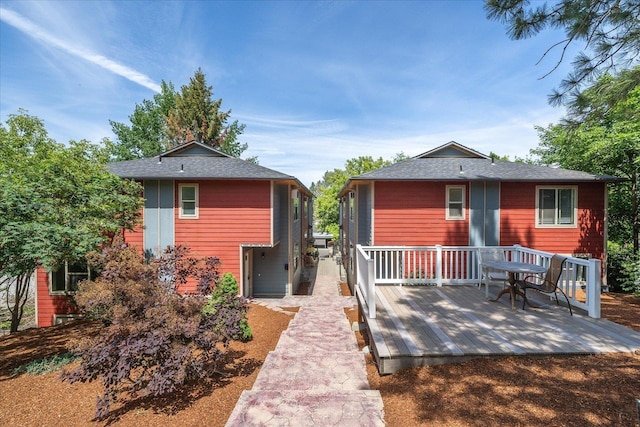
556, 225
62, 293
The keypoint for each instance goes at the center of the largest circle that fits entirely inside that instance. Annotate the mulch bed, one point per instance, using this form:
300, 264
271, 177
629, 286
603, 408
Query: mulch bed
551, 391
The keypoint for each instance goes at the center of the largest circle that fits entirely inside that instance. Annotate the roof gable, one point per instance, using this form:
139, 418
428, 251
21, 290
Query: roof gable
193, 149
196, 161
452, 150
454, 162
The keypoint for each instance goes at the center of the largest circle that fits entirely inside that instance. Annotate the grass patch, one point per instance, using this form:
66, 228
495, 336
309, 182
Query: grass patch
5, 325
47, 365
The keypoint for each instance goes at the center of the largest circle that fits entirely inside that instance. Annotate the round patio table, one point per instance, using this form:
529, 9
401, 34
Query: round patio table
513, 268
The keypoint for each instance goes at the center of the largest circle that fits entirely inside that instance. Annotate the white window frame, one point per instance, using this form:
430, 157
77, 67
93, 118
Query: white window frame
574, 189
59, 319
67, 287
181, 213
448, 215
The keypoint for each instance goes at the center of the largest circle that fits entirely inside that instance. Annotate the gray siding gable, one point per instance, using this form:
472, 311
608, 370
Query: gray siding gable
452, 149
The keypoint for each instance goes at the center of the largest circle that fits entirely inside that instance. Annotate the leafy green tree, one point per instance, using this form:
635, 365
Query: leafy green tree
608, 29
173, 118
146, 136
606, 142
57, 203
327, 206
327, 211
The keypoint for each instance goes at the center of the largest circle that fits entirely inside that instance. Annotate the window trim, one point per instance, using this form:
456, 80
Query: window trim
59, 319
181, 213
574, 189
448, 202
67, 290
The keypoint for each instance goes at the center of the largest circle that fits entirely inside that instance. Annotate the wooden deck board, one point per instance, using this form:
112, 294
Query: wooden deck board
429, 325
421, 335
470, 336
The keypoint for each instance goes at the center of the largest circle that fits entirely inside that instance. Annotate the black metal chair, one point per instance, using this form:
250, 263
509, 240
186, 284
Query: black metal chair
549, 284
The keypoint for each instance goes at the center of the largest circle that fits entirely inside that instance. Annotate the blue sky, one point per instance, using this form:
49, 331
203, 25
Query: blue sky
315, 83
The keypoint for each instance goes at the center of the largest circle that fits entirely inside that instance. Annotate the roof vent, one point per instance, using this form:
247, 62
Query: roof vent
181, 168
159, 160
493, 161
461, 171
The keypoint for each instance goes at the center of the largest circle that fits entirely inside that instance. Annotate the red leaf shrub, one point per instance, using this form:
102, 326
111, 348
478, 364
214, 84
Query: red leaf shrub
155, 338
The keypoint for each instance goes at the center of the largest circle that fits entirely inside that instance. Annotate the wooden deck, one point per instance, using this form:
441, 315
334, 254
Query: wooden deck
418, 326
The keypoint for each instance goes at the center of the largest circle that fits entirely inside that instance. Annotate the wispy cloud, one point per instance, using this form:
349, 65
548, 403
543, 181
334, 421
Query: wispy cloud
31, 29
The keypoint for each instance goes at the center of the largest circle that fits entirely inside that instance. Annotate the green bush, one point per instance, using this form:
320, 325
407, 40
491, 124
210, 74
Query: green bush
46, 365
225, 294
623, 268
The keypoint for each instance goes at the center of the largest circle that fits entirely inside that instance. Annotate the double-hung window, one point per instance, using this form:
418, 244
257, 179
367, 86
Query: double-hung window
556, 206
455, 202
65, 279
188, 200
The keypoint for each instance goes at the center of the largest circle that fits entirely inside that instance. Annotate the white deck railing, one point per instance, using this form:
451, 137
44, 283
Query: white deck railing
458, 265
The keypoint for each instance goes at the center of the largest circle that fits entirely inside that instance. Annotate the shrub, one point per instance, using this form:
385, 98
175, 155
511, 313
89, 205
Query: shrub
623, 268
155, 338
225, 297
46, 365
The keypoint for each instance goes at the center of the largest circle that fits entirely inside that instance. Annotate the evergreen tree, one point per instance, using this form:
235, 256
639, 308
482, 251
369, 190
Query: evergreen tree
173, 118
197, 116
608, 29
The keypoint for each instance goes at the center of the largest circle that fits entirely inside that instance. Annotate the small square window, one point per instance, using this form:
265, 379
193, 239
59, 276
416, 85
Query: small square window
188, 200
65, 279
455, 202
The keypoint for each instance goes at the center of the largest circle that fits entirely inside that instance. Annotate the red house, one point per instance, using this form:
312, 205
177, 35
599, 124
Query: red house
455, 196
257, 221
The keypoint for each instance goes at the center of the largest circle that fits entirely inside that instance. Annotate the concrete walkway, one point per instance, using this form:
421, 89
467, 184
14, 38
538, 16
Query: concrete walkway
315, 376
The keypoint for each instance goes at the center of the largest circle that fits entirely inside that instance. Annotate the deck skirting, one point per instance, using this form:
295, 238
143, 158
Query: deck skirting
421, 326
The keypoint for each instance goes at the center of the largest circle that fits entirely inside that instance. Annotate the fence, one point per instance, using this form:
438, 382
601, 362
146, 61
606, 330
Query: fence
458, 265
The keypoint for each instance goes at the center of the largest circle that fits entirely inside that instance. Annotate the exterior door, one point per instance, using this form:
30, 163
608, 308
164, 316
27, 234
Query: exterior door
247, 273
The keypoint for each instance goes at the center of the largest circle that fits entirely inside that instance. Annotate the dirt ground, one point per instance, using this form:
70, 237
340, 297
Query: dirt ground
551, 391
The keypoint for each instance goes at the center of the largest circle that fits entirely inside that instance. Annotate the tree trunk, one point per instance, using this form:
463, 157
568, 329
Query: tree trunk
16, 307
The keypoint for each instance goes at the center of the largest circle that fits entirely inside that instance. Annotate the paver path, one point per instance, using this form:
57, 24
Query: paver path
315, 376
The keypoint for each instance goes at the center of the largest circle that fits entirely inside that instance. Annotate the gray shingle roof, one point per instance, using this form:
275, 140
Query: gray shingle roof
475, 169
194, 168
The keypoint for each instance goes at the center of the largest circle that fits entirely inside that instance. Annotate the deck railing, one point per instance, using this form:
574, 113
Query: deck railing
458, 265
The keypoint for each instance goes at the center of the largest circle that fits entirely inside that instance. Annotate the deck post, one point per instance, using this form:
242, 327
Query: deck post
516, 249
371, 289
594, 286
439, 265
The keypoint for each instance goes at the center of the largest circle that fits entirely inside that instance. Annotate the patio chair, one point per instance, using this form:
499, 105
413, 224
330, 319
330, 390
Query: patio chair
549, 284
490, 274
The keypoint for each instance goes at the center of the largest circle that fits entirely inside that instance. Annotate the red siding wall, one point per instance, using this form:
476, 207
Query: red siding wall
413, 213
517, 221
135, 238
230, 213
48, 305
